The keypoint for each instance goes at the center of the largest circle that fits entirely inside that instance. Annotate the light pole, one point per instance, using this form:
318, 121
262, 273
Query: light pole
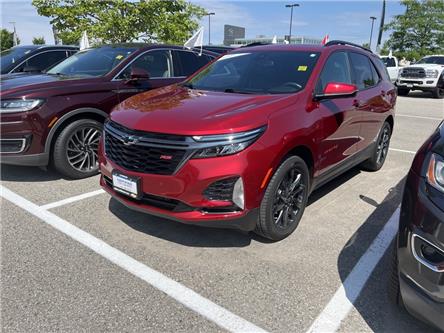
291, 17
371, 32
14, 36
209, 26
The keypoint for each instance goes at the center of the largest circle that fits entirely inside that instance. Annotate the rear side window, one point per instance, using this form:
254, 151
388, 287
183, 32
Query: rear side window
187, 62
42, 61
382, 68
336, 69
363, 71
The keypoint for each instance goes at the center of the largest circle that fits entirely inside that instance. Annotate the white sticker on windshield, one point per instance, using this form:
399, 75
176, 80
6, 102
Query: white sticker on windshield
312, 55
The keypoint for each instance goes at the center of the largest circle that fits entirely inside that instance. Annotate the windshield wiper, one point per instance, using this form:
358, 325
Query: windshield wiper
235, 91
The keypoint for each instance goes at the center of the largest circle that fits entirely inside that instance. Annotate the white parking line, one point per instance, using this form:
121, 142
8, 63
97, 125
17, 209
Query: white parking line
342, 302
418, 117
403, 151
72, 199
175, 290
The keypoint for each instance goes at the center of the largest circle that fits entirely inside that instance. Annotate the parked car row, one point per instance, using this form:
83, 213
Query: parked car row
237, 142
56, 117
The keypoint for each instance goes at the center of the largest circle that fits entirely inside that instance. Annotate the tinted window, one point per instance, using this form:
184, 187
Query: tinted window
92, 62
336, 69
389, 62
156, 63
362, 71
190, 62
439, 60
375, 74
260, 72
42, 61
381, 67
14, 55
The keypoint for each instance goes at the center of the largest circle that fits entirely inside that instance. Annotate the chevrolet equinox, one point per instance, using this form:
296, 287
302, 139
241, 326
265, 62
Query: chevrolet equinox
244, 141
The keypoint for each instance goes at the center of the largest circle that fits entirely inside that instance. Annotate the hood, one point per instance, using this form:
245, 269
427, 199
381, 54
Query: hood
13, 83
178, 110
426, 66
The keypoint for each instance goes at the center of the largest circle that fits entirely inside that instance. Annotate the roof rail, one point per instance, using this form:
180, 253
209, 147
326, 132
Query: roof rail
341, 42
255, 44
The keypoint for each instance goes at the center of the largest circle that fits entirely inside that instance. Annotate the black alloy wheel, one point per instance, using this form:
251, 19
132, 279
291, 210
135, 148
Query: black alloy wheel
284, 200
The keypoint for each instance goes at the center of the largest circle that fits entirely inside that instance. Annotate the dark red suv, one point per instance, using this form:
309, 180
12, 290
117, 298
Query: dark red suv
243, 142
57, 116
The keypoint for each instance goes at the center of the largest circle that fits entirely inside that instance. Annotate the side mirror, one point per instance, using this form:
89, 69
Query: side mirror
138, 74
337, 90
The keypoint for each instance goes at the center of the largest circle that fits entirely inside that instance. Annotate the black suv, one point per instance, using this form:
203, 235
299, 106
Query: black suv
34, 58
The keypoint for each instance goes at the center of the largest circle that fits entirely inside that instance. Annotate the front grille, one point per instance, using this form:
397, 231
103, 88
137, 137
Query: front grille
221, 190
171, 205
144, 152
413, 73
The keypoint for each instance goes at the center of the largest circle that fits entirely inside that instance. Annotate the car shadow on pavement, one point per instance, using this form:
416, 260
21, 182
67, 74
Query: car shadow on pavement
195, 236
373, 303
14, 173
184, 234
420, 94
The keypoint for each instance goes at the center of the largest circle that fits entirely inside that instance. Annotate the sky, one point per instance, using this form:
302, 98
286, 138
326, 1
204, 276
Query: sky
345, 20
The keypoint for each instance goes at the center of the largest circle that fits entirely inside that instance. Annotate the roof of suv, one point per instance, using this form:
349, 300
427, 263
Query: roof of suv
40, 47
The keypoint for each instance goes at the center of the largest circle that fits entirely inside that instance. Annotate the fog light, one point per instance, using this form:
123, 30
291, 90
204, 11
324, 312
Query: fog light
238, 193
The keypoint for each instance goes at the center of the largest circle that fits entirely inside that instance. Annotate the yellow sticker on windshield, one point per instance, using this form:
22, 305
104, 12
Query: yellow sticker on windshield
302, 68
119, 57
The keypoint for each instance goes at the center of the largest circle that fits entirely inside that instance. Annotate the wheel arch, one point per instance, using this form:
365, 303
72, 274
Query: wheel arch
391, 121
66, 119
306, 154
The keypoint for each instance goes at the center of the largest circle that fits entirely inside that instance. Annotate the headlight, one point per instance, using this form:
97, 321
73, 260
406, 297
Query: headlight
226, 144
435, 172
19, 105
432, 73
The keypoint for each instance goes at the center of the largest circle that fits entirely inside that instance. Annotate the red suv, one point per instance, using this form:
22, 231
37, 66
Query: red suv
243, 142
56, 117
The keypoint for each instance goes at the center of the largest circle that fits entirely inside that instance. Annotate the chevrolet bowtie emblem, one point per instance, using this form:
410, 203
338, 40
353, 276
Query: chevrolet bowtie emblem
130, 140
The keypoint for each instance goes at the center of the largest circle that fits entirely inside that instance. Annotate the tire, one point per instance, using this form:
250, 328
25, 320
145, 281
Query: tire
294, 171
394, 291
438, 93
76, 157
403, 91
376, 161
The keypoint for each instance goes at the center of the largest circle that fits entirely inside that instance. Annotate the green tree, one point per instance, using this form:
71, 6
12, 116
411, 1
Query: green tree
419, 31
120, 21
38, 40
7, 39
366, 45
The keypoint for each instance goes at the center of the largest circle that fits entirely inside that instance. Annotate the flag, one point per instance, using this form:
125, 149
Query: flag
325, 40
84, 42
274, 41
196, 40
381, 27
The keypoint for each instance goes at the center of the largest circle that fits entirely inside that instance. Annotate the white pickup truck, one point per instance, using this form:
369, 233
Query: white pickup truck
427, 75
392, 65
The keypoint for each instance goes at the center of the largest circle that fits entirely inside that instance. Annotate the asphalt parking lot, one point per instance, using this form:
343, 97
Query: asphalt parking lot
73, 259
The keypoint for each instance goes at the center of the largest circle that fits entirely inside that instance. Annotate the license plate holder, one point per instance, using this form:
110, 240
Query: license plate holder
127, 185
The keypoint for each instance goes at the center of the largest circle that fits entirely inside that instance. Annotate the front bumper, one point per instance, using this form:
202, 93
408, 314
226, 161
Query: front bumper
180, 196
422, 288
425, 84
22, 138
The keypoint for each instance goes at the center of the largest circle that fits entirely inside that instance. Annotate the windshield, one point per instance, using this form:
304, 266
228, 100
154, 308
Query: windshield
14, 55
439, 60
92, 62
263, 72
